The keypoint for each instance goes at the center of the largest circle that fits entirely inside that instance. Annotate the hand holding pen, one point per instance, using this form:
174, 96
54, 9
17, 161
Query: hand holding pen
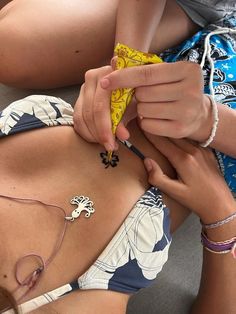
98, 111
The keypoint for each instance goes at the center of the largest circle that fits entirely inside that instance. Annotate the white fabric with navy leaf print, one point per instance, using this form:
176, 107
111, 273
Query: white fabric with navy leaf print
139, 249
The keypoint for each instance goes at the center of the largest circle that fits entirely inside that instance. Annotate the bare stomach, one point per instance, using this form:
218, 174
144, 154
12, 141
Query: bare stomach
53, 165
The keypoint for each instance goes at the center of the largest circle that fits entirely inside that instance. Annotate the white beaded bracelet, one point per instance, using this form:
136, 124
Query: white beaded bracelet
215, 123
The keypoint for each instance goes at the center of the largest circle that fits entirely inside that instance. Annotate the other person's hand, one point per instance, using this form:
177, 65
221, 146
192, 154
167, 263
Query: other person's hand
200, 185
92, 109
170, 99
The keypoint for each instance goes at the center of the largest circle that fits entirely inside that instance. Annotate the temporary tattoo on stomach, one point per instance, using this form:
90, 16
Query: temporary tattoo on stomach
113, 161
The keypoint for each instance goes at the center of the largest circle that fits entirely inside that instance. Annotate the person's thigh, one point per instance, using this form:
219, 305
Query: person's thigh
89, 302
52, 43
3, 3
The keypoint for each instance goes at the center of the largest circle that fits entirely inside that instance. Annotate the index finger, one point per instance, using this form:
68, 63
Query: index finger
102, 118
145, 75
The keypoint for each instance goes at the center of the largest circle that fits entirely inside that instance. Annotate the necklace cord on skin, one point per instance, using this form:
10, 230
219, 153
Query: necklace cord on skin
33, 278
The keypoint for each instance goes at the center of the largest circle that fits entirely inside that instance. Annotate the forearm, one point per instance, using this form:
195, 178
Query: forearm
217, 291
137, 22
200, 186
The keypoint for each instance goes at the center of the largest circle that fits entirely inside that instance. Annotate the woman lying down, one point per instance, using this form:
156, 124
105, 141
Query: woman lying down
80, 237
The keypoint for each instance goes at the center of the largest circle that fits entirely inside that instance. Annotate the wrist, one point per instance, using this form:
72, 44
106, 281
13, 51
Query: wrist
218, 212
206, 122
222, 223
228, 245
223, 232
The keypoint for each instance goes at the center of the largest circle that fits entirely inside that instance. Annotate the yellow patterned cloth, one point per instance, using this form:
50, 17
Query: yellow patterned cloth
120, 98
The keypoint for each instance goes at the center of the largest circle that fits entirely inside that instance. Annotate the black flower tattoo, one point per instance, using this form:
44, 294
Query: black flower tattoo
112, 162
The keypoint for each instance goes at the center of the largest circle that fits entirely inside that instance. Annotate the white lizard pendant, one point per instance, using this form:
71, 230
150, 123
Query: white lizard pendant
83, 204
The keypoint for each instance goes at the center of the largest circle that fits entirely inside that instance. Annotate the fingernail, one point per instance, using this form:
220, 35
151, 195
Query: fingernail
105, 82
109, 147
148, 164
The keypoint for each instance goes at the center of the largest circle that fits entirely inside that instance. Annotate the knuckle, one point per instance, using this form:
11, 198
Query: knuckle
107, 68
103, 136
139, 94
180, 130
89, 74
147, 73
188, 159
196, 67
196, 153
101, 72
139, 109
184, 65
195, 70
99, 107
191, 67
97, 73
188, 65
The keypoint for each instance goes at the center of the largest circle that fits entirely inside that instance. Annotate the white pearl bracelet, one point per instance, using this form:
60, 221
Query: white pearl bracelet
215, 123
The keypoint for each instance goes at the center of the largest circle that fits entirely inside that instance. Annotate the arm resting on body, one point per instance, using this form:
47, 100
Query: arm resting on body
197, 169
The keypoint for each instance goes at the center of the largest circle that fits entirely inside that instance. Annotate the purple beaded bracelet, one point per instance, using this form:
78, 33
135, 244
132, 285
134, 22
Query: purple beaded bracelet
221, 247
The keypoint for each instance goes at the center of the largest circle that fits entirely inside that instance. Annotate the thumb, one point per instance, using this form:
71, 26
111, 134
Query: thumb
156, 177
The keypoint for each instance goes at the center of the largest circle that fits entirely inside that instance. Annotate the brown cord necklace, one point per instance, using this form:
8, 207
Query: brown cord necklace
83, 203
